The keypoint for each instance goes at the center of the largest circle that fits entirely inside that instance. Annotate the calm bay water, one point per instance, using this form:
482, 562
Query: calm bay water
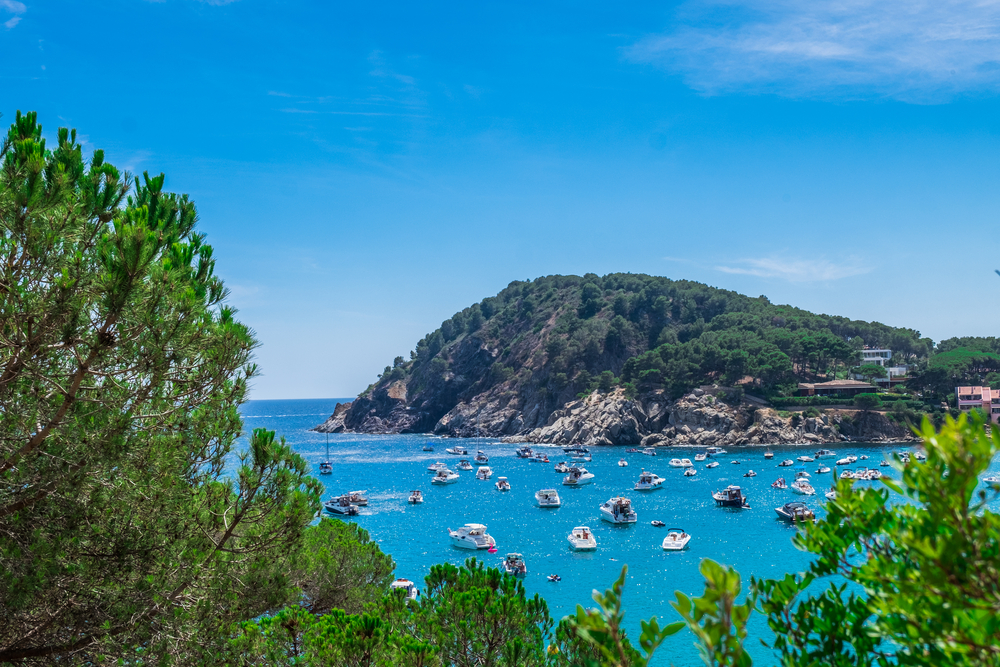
389, 467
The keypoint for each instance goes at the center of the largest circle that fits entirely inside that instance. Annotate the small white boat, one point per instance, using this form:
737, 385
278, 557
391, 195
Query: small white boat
416, 497
582, 457
676, 539
547, 498
444, 477
831, 494
648, 481
883, 463
822, 469
514, 564
847, 460
690, 472
325, 468
825, 454
524, 453
735, 463
539, 458
769, 454
458, 450
992, 479
802, 474
687, 463
803, 487
675, 463
481, 457
341, 505
749, 473
847, 474
562, 467
920, 456
786, 463
622, 463
863, 457
464, 465
484, 473
649, 451
578, 477
779, 484
502, 484
471, 536
700, 457
712, 464
406, 585
806, 459
795, 512
657, 523
582, 539
618, 510
715, 451
434, 467
358, 498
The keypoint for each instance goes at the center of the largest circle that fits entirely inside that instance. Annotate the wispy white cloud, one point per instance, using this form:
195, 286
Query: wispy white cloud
277, 93
14, 7
912, 50
797, 270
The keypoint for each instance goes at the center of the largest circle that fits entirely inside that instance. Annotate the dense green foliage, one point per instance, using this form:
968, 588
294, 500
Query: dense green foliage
121, 375
908, 574
558, 336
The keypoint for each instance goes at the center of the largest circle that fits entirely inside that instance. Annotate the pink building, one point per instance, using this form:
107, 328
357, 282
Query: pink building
984, 398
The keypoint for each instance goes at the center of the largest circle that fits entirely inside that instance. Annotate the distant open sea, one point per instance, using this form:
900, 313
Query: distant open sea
389, 467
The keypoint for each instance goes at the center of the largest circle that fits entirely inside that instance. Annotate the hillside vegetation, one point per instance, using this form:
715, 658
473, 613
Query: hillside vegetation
539, 344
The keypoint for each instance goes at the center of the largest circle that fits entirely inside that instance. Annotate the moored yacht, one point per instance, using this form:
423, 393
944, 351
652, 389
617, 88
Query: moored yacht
341, 505
539, 458
847, 460
786, 463
548, 498
357, 498
562, 467
649, 451
524, 453
686, 463
416, 497
458, 450
481, 457
471, 536
675, 463
582, 539
648, 481
444, 477
825, 454
578, 477
502, 484
795, 512
325, 468
749, 473
806, 459
484, 473
712, 464
622, 463
714, 451
434, 467
731, 496
690, 472
822, 469
779, 484
428, 448
675, 540
514, 564
464, 465
409, 588
769, 454
700, 457
618, 510
801, 486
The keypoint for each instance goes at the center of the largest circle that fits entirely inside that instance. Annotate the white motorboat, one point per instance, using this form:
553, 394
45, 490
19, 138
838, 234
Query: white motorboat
649, 451
524, 453
863, 457
715, 451
648, 481
481, 457
731, 496
484, 473
786, 463
547, 498
825, 454
831, 494
803, 487
562, 467
622, 463
434, 467
735, 463
657, 523
618, 510
444, 477
576, 449
795, 512
514, 564
779, 484
416, 497
847, 473
749, 473
712, 464
358, 498
847, 460
464, 465
883, 463
992, 479
409, 588
687, 463
675, 463
690, 472
325, 468
582, 457
769, 454
802, 474
676, 539
822, 469
806, 459
582, 539
502, 484
471, 536
458, 450
539, 458
700, 457
920, 456
341, 505
578, 477
428, 448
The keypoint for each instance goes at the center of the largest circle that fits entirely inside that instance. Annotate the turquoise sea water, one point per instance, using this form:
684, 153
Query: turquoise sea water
389, 467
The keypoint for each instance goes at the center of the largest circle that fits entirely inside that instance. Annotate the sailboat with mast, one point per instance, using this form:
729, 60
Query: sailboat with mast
325, 467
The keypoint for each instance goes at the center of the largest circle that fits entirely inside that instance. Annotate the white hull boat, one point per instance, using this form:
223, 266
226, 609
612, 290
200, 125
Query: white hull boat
416, 497
434, 467
409, 588
341, 505
686, 463
514, 564
648, 481
825, 454
502, 484
803, 487
484, 473
713, 464
690, 472
547, 498
675, 463
806, 459
618, 510
622, 463
464, 465
582, 539
578, 477
445, 477
481, 458
795, 512
715, 451
358, 498
649, 451
457, 450
847, 460
471, 536
676, 540
700, 457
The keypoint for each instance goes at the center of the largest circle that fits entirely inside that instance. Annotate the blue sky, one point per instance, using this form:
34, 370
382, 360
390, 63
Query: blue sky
365, 170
